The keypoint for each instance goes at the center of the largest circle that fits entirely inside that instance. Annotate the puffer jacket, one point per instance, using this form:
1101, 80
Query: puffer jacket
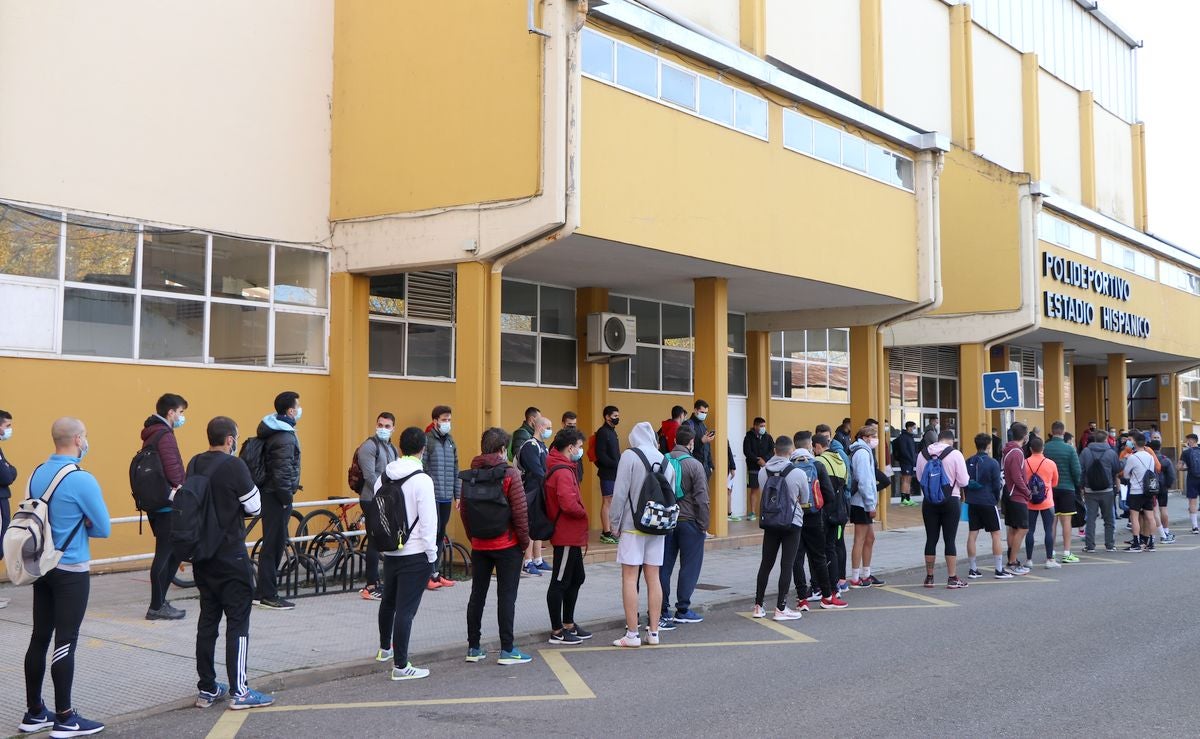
281, 457
518, 526
564, 503
440, 460
168, 449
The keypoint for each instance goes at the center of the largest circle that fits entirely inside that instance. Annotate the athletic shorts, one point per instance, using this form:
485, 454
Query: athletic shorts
1064, 502
606, 487
906, 470
859, 515
1193, 487
752, 479
984, 517
1142, 502
1162, 498
635, 548
1016, 515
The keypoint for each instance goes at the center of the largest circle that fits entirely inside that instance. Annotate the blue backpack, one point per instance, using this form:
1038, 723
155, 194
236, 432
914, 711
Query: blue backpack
934, 482
1037, 486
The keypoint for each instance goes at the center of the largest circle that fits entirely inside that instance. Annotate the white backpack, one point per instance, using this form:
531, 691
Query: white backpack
29, 549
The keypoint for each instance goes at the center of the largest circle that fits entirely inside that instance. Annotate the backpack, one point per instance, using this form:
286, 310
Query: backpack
196, 533
1037, 486
516, 460
776, 508
354, 475
1096, 478
387, 514
485, 503
29, 549
973, 472
253, 453
677, 466
1167, 478
837, 508
656, 512
147, 481
816, 497
541, 526
1150, 482
934, 483
591, 449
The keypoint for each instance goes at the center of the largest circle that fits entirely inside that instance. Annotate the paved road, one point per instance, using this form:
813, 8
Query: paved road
1049, 654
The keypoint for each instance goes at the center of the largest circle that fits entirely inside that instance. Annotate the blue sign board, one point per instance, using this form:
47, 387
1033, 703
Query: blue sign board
1001, 390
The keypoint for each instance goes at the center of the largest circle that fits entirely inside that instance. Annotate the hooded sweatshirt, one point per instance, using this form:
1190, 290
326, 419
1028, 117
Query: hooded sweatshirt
564, 503
518, 525
630, 475
862, 473
1108, 461
1013, 465
796, 484
693, 506
418, 502
954, 465
840, 450
281, 455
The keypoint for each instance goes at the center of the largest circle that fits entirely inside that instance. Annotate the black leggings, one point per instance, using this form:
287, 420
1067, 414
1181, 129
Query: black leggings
443, 510
774, 541
567, 578
60, 599
835, 550
165, 563
941, 519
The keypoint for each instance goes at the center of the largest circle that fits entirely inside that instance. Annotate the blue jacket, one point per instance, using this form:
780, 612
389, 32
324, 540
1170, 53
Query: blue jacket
440, 460
984, 472
77, 497
862, 471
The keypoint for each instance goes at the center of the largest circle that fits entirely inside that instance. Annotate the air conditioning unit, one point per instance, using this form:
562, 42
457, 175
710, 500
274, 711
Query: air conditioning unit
611, 335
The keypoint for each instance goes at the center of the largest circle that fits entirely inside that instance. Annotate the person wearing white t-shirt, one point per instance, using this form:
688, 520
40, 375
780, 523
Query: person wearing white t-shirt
1141, 504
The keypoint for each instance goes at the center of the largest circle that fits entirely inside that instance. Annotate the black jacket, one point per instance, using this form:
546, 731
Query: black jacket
608, 452
281, 456
904, 451
755, 446
701, 449
8, 475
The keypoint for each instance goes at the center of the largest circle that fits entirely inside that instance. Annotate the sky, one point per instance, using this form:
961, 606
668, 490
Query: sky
1167, 103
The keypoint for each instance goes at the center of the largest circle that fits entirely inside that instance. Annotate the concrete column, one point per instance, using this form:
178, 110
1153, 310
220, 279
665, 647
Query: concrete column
1087, 399
1054, 392
476, 334
1118, 411
972, 363
711, 372
1087, 148
593, 392
1168, 405
758, 370
868, 394
753, 27
1030, 124
349, 363
870, 25
962, 78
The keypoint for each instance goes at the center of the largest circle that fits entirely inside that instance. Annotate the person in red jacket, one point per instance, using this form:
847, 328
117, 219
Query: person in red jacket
159, 429
501, 553
564, 506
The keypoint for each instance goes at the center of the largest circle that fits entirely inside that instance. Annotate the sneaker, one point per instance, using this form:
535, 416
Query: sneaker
652, 638
531, 569
1069, 558
928, 581
974, 575
205, 699
787, 614
955, 583
562, 638
36, 720
707, 535
579, 631
434, 583
758, 612
1168, 538
384, 655
167, 612
1149, 547
843, 586
445, 582
833, 602
1196, 529
876, 582
608, 539
515, 657
1134, 548
408, 672
1052, 565
475, 654
252, 699
815, 595
628, 641
801, 605
665, 623
1089, 550
1018, 569
544, 566
751, 517
371, 592
275, 604
734, 519
1003, 575
857, 584
688, 617
1110, 549
75, 725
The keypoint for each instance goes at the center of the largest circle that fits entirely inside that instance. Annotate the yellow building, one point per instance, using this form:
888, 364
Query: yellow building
812, 211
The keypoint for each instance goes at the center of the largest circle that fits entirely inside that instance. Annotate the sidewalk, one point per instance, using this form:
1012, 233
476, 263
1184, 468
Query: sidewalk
127, 665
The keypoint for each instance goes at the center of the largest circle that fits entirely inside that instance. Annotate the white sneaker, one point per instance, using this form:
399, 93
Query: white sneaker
652, 638
628, 641
759, 612
1052, 564
408, 672
787, 614
384, 655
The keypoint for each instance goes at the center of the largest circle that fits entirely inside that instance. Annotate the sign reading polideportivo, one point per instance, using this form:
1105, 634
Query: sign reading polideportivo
1083, 312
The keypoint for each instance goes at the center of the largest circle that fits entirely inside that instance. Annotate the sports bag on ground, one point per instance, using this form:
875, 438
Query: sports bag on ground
29, 550
387, 514
484, 503
656, 511
196, 533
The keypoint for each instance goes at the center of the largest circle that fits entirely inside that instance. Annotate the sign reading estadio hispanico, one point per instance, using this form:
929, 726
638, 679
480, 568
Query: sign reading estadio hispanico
1083, 312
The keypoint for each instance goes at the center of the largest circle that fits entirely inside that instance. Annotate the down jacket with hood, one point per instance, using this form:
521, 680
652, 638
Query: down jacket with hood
631, 473
564, 503
281, 457
168, 451
518, 526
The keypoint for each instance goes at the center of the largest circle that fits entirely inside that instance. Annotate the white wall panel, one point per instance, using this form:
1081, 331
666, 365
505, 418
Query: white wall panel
1114, 166
819, 37
722, 17
998, 125
916, 62
1058, 112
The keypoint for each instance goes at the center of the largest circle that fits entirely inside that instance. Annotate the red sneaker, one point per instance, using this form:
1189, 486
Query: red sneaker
444, 582
801, 604
433, 584
833, 602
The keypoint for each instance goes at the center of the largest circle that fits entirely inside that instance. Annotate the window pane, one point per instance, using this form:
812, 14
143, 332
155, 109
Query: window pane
387, 295
647, 320
238, 334
827, 142
793, 381
677, 371
817, 345
558, 311
387, 348
645, 368
679, 87
677, 327
174, 262
1029, 393
737, 376
597, 55
737, 333
618, 304
818, 381
429, 350
28, 244
777, 373
637, 70
929, 397
101, 255
904, 169
558, 361
797, 132
618, 374
299, 340
948, 393
882, 165
839, 346
776, 343
518, 306
911, 387
854, 152
301, 277
793, 344
518, 358
895, 383
97, 323
240, 269
172, 329
751, 114
716, 101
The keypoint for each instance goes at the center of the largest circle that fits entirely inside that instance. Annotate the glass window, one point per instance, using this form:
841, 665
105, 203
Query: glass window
884, 165
904, 169
793, 344
617, 304
240, 269
387, 295
557, 310
430, 349
518, 358
101, 253
387, 348
174, 262
797, 132
677, 371
597, 55
677, 326
854, 152
716, 101
97, 323
301, 277
646, 313
839, 346
523, 304
299, 339
29, 243
737, 333
618, 374
827, 142
751, 114
929, 398
737, 376
518, 306
172, 329
637, 70
645, 367
947, 393
678, 87
817, 345
558, 361
238, 334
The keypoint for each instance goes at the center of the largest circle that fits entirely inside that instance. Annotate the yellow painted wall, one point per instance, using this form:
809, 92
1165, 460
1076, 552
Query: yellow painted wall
652, 407
434, 104
550, 401
789, 416
981, 269
409, 400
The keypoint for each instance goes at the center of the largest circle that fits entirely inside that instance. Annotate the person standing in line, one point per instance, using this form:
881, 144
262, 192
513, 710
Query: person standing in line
983, 499
784, 541
440, 460
1166, 481
524, 432
835, 513
281, 463
1100, 468
374, 455
60, 596
531, 463
904, 457
702, 446
1191, 462
608, 458
942, 518
1141, 503
225, 581
8, 475
564, 506
842, 436
758, 446
571, 421
666, 432
159, 430
1037, 464
686, 541
407, 570
862, 507
1062, 453
812, 531
1015, 496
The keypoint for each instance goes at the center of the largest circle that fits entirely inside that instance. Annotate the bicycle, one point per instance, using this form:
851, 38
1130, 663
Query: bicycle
183, 577
330, 543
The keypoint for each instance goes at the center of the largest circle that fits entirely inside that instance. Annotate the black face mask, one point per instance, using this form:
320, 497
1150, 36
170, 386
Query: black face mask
614, 421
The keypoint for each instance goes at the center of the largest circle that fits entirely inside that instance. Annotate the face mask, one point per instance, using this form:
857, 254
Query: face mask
874, 443
233, 447
761, 431
547, 433
614, 421
383, 434
7, 434
1129, 445
179, 421
83, 452
701, 416
299, 412
444, 428
576, 455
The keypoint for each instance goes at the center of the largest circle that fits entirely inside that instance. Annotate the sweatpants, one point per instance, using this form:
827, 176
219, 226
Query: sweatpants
371, 559
775, 542
812, 545
686, 543
1099, 504
60, 599
835, 550
275, 517
404, 582
941, 520
226, 587
1047, 517
507, 564
443, 509
165, 563
566, 579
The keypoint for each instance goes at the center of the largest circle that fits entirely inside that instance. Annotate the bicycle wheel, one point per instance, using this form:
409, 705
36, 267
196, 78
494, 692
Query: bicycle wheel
325, 548
456, 560
183, 577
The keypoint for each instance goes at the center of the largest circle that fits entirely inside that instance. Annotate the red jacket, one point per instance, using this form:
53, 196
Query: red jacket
518, 528
168, 449
564, 502
668, 429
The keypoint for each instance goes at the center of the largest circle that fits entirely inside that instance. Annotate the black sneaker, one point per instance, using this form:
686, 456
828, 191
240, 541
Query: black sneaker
1003, 575
1133, 547
1089, 550
167, 612
579, 631
276, 604
876, 582
974, 574
72, 724
565, 638
1149, 547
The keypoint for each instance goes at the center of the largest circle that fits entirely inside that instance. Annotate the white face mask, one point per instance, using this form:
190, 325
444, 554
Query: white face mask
444, 428
299, 412
873, 442
7, 434
383, 434
701, 416
547, 433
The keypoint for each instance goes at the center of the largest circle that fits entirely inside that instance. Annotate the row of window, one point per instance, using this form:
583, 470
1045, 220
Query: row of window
1082, 241
1066, 234
810, 136
412, 325
1179, 278
103, 288
813, 364
1132, 260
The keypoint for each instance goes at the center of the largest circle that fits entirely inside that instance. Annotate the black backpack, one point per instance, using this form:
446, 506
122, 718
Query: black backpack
776, 509
484, 503
254, 455
196, 533
656, 511
147, 481
1096, 478
387, 514
541, 526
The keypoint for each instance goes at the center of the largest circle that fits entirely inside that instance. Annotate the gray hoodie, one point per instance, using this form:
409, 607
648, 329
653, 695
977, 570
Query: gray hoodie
862, 469
631, 473
1108, 459
693, 506
796, 483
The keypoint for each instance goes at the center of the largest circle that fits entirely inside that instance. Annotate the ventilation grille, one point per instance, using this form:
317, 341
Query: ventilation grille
431, 295
925, 360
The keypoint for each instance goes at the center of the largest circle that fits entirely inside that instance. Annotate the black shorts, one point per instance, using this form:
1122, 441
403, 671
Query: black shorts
1192, 487
1064, 502
907, 470
1016, 515
752, 479
984, 517
859, 515
1141, 502
1162, 498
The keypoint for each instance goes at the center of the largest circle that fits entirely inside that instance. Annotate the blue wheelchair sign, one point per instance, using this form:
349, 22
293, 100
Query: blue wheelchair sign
1001, 390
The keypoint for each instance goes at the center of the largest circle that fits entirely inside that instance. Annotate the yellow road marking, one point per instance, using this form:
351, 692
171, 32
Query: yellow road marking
779, 628
924, 599
571, 681
228, 726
